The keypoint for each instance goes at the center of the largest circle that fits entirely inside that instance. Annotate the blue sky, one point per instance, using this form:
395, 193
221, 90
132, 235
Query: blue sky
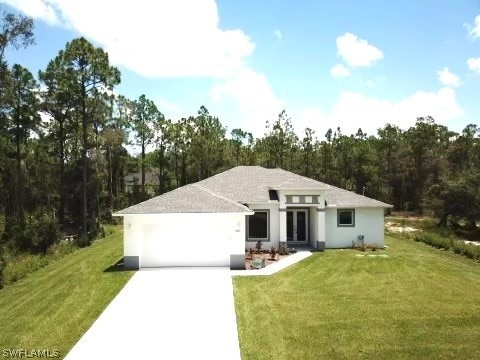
338, 63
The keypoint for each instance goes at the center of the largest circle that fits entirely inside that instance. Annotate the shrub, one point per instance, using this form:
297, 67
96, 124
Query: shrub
273, 252
435, 240
258, 246
284, 250
2, 266
46, 229
447, 243
22, 266
60, 249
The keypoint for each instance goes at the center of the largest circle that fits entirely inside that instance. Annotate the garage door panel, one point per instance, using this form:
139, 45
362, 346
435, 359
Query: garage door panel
205, 242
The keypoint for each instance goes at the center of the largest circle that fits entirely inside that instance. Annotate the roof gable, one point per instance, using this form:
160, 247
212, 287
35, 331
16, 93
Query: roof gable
186, 199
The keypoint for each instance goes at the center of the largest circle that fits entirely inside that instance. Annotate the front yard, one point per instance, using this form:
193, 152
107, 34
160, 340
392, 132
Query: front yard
418, 303
54, 306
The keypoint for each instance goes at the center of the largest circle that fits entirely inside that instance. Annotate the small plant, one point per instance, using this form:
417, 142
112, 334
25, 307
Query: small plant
250, 254
273, 253
258, 246
284, 250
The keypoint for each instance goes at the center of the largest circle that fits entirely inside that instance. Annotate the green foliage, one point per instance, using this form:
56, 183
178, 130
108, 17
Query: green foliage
23, 264
2, 266
449, 243
36, 235
258, 246
16, 31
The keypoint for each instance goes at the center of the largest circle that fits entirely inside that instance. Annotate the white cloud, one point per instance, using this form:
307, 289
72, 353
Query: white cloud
154, 38
39, 9
169, 109
474, 64
278, 34
339, 70
354, 110
474, 30
447, 78
254, 101
357, 52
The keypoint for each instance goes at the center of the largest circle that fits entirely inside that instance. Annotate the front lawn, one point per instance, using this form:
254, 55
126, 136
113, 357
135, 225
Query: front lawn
419, 303
54, 306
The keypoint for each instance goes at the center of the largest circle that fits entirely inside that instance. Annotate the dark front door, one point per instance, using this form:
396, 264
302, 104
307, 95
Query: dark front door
297, 225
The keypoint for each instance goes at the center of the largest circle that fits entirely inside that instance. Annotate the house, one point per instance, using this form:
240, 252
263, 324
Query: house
152, 182
213, 221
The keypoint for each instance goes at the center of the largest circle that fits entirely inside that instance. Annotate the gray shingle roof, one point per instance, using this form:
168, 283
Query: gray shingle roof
343, 198
227, 191
251, 183
191, 198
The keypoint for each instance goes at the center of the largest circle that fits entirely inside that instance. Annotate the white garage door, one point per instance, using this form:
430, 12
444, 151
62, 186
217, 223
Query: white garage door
187, 240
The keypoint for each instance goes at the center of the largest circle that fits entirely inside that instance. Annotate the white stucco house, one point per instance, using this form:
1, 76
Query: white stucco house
213, 221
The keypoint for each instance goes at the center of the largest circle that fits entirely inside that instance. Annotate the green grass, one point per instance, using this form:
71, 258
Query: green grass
54, 306
420, 303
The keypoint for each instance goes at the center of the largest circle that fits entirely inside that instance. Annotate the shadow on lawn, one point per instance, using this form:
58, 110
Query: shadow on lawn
118, 266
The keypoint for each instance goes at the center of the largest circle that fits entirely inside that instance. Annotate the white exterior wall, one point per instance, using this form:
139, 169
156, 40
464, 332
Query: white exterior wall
132, 233
198, 239
274, 226
313, 226
368, 222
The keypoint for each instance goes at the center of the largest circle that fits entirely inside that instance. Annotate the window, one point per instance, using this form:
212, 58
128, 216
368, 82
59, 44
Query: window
258, 225
346, 217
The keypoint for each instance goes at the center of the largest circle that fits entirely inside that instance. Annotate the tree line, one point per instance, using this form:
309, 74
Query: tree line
63, 172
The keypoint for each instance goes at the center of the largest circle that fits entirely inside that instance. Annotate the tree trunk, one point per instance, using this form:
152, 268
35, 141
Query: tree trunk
61, 209
143, 170
161, 177
19, 200
84, 164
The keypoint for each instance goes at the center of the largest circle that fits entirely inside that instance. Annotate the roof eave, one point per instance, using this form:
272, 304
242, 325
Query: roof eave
384, 206
299, 189
250, 212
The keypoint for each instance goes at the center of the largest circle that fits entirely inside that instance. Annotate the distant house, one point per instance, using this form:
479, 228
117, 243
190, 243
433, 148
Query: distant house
134, 180
212, 222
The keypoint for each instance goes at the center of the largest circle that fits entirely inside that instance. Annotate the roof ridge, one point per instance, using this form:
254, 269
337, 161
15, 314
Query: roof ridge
301, 176
207, 190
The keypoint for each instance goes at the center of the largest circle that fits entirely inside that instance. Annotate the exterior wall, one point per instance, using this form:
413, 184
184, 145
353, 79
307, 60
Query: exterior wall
274, 226
368, 222
184, 239
313, 226
132, 247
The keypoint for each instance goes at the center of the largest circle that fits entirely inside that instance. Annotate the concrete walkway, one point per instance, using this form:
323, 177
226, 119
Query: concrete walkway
174, 313
276, 267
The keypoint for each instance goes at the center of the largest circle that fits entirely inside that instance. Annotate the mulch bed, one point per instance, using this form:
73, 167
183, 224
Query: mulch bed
263, 255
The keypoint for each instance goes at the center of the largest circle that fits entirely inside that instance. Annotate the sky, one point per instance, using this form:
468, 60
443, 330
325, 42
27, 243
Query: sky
348, 64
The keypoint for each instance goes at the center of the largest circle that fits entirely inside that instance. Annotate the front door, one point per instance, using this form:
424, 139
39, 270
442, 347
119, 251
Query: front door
297, 225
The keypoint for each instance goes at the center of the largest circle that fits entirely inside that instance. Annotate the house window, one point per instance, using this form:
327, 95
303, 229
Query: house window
346, 217
258, 226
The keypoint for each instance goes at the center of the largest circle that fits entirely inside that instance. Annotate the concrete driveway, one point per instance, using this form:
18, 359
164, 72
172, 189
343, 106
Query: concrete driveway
172, 313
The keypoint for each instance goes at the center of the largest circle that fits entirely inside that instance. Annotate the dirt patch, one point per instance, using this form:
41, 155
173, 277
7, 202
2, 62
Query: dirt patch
397, 228
264, 256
